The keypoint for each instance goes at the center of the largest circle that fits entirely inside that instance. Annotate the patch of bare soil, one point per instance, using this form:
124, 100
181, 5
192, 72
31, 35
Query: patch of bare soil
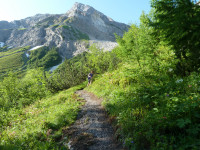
92, 130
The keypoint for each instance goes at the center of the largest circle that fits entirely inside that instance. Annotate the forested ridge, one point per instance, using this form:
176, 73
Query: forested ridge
150, 84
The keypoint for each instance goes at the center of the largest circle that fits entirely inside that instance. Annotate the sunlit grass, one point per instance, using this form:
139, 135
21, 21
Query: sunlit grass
39, 125
11, 62
12, 59
151, 109
13, 51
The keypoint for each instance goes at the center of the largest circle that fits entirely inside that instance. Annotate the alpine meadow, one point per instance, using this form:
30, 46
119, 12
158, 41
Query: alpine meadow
149, 82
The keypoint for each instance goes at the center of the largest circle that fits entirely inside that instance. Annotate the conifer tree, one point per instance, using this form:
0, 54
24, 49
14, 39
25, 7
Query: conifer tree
178, 22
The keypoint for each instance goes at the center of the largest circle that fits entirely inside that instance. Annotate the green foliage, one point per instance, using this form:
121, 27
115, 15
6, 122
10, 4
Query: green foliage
21, 92
22, 28
84, 42
176, 21
75, 70
11, 62
70, 73
55, 25
69, 20
2, 49
100, 61
65, 26
81, 35
78, 34
66, 76
6, 52
141, 47
12, 59
40, 125
44, 57
154, 108
29, 117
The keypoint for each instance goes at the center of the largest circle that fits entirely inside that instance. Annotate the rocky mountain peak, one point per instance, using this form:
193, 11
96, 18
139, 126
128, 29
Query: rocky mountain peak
72, 32
82, 7
79, 8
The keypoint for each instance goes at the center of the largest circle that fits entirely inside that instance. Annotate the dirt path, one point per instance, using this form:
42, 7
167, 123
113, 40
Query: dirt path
92, 130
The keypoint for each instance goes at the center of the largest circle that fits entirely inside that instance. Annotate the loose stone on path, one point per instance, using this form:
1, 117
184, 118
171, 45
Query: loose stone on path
92, 131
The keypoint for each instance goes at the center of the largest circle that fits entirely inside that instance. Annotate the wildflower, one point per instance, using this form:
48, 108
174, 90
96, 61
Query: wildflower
170, 70
189, 85
179, 81
167, 95
164, 117
132, 142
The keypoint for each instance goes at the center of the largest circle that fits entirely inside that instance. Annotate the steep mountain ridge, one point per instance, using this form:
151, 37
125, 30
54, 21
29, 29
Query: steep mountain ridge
95, 23
72, 32
23, 23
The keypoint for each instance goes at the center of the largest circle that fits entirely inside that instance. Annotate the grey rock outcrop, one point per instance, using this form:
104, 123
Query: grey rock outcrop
94, 23
4, 35
6, 25
72, 32
26, 37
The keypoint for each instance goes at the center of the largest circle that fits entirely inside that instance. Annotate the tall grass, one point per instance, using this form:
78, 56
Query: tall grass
41, 124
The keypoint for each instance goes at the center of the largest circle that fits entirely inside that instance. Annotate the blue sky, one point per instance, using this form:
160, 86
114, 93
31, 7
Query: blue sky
126, 11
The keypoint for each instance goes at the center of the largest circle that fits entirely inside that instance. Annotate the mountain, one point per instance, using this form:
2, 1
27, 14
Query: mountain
72, 32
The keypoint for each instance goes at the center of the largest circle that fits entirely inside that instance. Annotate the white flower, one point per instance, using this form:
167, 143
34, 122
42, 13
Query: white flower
170, 70
179, 81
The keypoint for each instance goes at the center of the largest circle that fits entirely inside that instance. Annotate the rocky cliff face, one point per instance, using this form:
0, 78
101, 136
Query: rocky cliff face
72, 32
94, 23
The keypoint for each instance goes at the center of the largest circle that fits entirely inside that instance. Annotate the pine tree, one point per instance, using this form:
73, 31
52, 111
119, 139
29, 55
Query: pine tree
178, 22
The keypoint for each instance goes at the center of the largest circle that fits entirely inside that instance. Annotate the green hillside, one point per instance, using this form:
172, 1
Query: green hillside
16, 60
44, 57
41, 124
12, 59
6, 52
153, 95
150, 84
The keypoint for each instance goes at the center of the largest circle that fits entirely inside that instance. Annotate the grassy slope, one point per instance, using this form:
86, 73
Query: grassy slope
110, 85
12, 59
40, 125
11, 62
152, 112
15, 59
13, 51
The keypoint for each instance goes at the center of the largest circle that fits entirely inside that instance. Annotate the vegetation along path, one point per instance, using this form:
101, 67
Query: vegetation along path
92, 130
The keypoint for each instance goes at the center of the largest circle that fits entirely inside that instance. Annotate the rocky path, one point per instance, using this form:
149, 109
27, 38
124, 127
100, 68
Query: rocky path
92, 130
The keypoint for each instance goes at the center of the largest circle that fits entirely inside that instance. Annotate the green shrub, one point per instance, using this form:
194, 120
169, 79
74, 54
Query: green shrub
154, 107
44, 57
17, 92
40, 125
75, 70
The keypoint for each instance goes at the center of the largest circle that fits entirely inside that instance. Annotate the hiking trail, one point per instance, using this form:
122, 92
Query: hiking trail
92, 130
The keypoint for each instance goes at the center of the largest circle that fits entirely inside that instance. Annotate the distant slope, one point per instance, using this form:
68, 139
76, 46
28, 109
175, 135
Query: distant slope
16, 59
65, 31
12, 59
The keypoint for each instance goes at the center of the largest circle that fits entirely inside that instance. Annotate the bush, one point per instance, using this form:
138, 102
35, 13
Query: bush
17, 92
154, 107
40, 125
44, 57
75, 70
